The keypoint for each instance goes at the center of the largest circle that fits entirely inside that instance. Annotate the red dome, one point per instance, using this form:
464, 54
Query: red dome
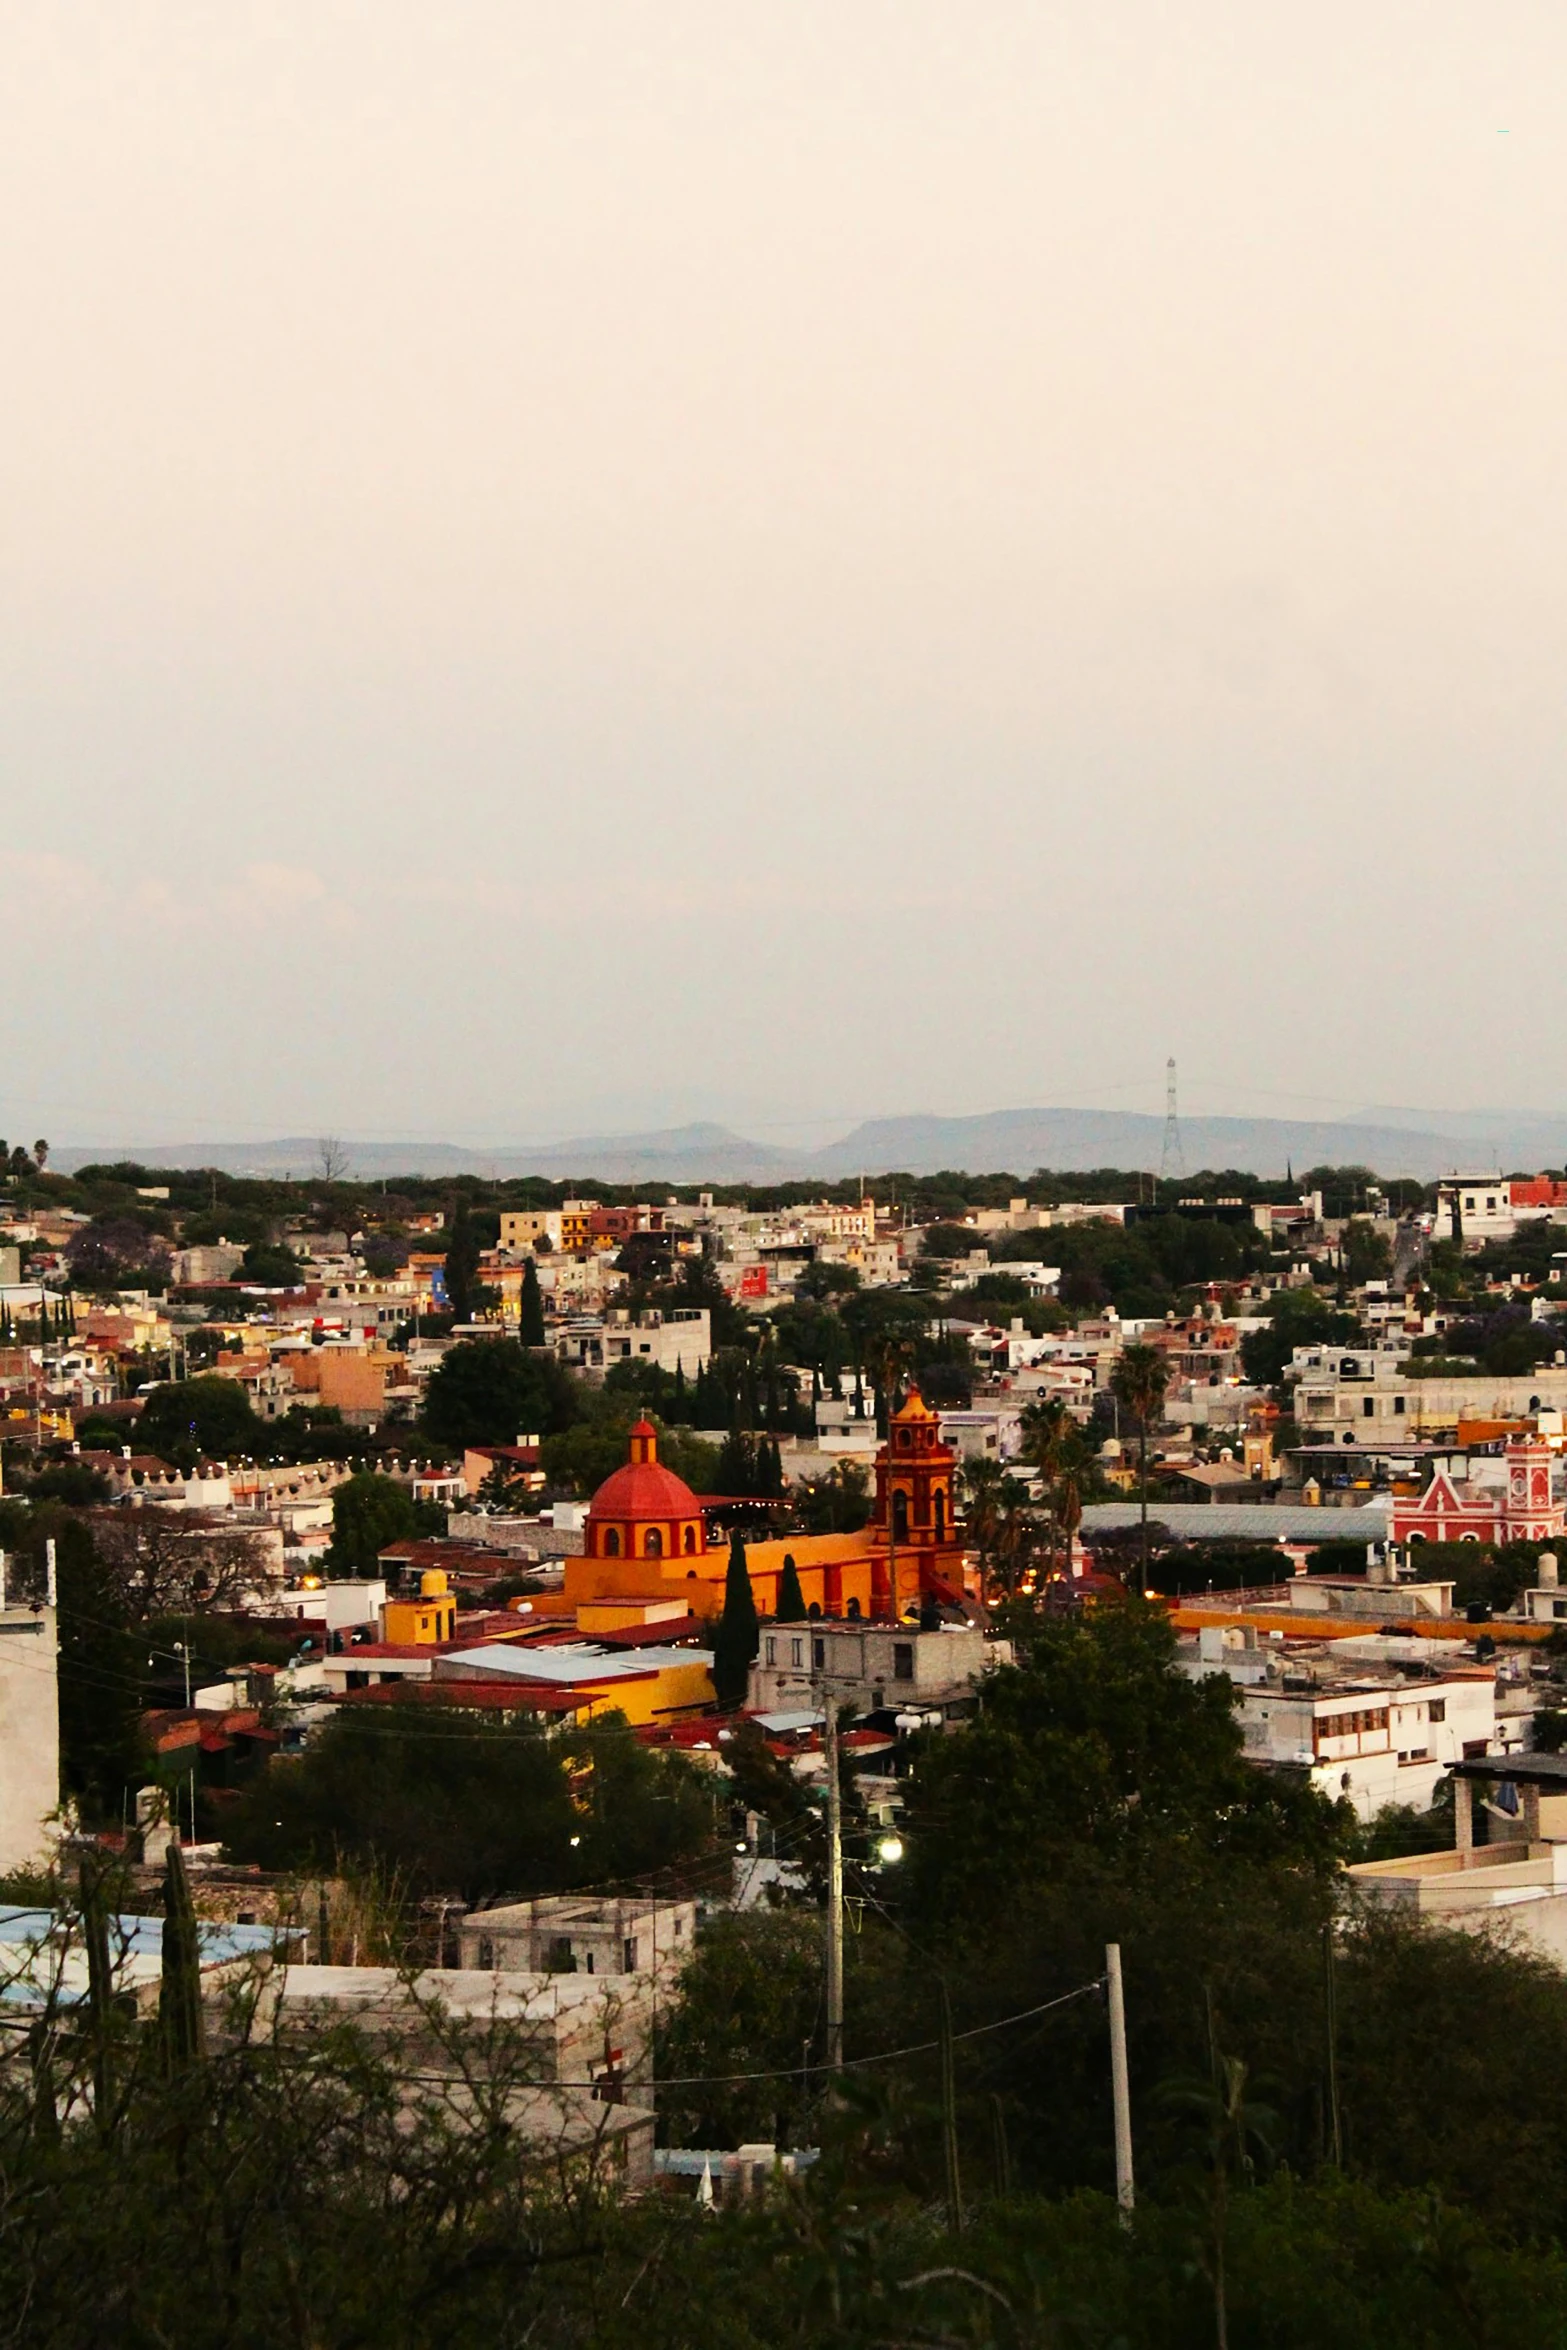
644, 1489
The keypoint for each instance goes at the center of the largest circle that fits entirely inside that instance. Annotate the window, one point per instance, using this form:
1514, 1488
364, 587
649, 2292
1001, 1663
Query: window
797, 1653
941, 1517
628, 1955
1438, 1709
612, 1544
903, 1660
689, 1543
770, 1652
1368, 1407
653, 1546
900, 1516
819, 1655
1398, 1407
486, 1952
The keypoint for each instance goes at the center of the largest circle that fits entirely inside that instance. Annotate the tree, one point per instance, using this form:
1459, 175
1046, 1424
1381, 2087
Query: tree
269, 1264
1365, 1252
453, 1802
368, 1512
1138, 1381
749, 2002
165, 1562
737, 1640
791, 1599
838, 1503
530, 1323
462, 1264
100, 1679
116, 1252
492, 1390
1299, 1317
207, 1418
332, 1159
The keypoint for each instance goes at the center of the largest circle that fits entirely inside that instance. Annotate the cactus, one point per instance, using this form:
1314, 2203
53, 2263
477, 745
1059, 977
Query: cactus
180, 2024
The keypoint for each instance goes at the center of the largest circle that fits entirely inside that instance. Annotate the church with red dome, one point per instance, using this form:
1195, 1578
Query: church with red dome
646, 1541
644, 1511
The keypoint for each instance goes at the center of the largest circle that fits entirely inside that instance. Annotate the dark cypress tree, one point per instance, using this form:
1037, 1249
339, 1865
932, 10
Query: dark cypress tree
736, 1471
736, 1642
791, 1599
180, 2027
462, 1264
530, 1328
679, 1410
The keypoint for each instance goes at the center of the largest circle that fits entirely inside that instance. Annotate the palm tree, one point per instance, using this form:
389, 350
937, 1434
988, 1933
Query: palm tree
1138, 1383
1068, 1513
1053, 1443
999, 1525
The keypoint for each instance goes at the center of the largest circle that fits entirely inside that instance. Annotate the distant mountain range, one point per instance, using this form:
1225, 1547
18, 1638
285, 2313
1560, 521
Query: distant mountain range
1394, 1142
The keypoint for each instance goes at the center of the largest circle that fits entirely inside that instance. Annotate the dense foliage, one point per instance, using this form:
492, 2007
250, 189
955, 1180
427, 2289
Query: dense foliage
447, 1801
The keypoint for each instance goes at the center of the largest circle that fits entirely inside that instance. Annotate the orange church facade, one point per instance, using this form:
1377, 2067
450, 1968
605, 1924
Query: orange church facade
645, 1539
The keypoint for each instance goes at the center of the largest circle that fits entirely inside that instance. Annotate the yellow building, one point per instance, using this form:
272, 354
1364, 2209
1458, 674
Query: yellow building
425, 1621
646, 1537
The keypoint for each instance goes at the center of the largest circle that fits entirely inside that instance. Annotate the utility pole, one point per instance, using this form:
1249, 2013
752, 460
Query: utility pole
834, 1888
1120, 2088
1335, 2122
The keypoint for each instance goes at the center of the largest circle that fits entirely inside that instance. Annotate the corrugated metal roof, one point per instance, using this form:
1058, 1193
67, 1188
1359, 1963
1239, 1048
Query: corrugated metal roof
1245, 1521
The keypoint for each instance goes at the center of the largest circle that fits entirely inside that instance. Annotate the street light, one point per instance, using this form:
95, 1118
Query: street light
889, 1850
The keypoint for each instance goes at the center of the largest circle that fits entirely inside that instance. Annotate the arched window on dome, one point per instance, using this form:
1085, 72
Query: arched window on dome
689, 1544
653, 1544
612, 1542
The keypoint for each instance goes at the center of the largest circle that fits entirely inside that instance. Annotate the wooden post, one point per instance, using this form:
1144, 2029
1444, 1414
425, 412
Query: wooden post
1464, 1817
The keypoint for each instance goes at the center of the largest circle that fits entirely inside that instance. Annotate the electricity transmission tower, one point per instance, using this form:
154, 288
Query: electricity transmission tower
1172, 1159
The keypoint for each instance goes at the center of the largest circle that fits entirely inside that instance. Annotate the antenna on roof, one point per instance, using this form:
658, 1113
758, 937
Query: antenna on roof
1172, 1159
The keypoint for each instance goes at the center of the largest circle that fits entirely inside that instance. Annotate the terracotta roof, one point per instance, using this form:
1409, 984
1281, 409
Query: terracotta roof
644, 1489
653, 1635
490, 1696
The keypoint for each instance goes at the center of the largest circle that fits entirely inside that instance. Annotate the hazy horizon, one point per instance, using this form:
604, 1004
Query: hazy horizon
569, 572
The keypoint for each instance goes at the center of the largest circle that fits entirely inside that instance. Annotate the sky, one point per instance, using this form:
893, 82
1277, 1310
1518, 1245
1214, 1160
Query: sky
570, 569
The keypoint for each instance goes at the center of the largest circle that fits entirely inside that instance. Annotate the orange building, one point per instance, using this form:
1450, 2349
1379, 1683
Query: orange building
646, 1537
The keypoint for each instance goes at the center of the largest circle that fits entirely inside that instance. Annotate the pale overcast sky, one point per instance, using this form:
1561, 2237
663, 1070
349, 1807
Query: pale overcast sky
575, 567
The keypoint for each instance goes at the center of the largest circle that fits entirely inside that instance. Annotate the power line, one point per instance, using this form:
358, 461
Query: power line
795, 2072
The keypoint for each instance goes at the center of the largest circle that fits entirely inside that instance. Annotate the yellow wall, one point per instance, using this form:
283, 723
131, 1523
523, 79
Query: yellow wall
419, 1623
672, 1689
699, 1581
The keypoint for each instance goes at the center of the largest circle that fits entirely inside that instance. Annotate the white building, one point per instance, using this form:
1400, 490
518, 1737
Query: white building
872, 1666
567, 1933
29, 1732
1371, 1739
1516, 1880
677, 1341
